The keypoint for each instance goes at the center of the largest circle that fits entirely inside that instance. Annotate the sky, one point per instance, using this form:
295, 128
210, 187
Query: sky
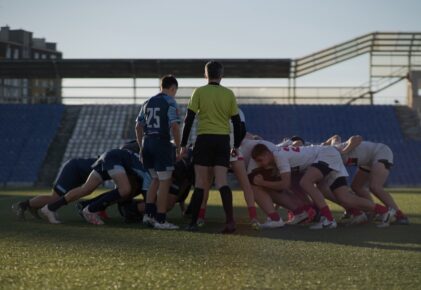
210, 29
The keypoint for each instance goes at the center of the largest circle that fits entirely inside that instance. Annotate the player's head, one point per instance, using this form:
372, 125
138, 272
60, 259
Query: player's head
214, 70
262, 155
169, 85
297, 141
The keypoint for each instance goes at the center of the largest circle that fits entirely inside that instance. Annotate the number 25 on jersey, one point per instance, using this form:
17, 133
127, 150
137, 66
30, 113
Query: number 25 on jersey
152, 118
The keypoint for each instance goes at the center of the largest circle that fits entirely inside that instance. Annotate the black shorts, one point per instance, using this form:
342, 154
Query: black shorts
212, 150
68, 178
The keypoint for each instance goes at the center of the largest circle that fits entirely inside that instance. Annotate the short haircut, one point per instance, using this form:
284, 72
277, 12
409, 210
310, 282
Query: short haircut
259, 150
168, 81
297, 138
214, 70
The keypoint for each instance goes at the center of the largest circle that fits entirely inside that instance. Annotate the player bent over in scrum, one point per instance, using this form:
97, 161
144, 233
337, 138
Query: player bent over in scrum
297, 202
374, 161
115, 164
319, 163
72, 174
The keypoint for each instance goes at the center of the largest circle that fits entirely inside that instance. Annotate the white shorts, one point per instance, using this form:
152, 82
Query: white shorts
383, 152
333, 159
161, 175
238, 157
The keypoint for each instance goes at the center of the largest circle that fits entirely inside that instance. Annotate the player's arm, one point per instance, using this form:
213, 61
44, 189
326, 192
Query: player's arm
283, 184
239, 130
192, 109
140, 123
188, 123
352, 142
174, 120
334, 140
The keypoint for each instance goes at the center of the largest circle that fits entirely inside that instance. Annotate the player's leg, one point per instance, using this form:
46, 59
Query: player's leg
349, 200
164, 160
298, 210
360, 182
239, 169
313, 175
148, 156
165, 181
202, 211
32, 205
122, 191
203, 158
265, 202
201, 183
151, 194
379, 174
67, 178
93, 181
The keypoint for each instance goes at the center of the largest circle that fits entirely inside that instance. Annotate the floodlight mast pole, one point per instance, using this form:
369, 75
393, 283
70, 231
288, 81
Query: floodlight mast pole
134, 82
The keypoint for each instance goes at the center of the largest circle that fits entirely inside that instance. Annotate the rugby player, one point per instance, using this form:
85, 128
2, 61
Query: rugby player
157, 119
374, 161
116, 165
319, 163
72, 174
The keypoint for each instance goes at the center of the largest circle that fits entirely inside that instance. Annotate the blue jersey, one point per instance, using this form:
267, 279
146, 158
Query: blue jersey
128, 160
157, 114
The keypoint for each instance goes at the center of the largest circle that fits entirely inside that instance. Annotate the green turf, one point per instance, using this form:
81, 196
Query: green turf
37, 255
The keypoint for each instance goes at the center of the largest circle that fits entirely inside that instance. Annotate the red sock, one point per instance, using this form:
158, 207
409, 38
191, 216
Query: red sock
298, 210
380, 209
252, 212
274, 216
325, 211
202, 213
400, 214
354, 211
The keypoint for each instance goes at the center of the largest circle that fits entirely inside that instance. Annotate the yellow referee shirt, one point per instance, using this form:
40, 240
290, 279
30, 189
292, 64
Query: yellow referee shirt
214, 106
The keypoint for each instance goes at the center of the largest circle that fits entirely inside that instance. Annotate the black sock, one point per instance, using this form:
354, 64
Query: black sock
24, 205
89, 201
161, 217
226, 196
106, 199
57, 204
195, 204
150, 209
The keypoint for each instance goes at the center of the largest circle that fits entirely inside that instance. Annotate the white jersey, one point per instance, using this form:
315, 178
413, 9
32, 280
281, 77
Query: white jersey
364, 154
247, 146
286, 142
297, 159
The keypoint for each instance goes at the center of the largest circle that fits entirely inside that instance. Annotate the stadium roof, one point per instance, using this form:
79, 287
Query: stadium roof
141, 68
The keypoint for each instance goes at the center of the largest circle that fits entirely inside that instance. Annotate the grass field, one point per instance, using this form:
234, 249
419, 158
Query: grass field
37, 255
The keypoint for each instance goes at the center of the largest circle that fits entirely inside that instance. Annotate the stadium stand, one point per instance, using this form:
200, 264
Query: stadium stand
26, 132
99, 128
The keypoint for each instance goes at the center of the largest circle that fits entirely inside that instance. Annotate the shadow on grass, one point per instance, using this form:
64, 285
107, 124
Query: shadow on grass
117, 233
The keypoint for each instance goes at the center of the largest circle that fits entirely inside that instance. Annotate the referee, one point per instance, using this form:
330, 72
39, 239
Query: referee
215, 105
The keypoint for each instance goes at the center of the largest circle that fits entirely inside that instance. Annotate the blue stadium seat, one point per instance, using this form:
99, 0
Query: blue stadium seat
25, 134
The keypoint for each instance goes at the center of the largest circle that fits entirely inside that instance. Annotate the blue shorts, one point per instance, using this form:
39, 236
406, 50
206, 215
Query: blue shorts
158, 154
72, 174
